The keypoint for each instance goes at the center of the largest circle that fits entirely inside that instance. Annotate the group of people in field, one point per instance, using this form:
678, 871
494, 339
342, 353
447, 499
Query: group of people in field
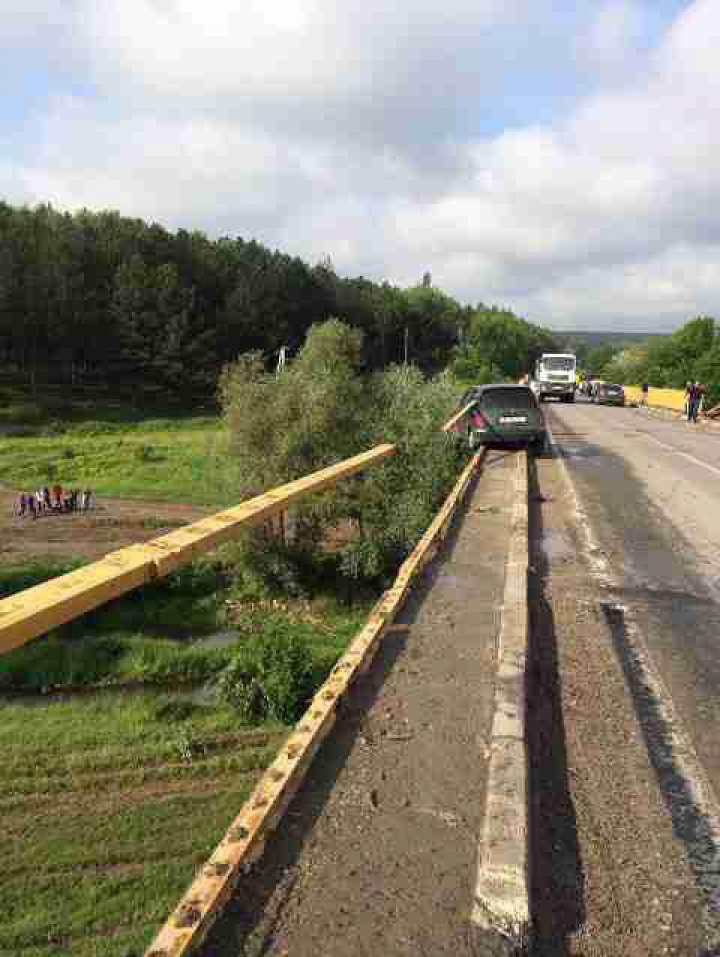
53, 501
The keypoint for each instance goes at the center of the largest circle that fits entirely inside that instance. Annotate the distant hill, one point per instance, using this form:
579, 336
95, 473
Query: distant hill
591, 340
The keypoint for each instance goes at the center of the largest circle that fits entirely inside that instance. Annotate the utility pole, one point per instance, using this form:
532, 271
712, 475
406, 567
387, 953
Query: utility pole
406, 345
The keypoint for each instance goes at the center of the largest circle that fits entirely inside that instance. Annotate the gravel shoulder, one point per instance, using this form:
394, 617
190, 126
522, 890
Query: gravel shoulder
378, 852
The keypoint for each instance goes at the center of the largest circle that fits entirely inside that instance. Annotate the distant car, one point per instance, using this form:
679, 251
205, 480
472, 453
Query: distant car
505, 414
608, 393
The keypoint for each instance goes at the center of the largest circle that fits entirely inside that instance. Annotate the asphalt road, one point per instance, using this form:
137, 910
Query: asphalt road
649, 491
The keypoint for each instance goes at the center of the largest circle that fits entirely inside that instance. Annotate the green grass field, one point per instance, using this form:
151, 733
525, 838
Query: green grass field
107, 807
157, 460
109, 801
117, 447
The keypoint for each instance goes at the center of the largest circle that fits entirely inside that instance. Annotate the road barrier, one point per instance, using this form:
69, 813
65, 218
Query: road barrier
244, 841
660, 398
31, 613
453, 424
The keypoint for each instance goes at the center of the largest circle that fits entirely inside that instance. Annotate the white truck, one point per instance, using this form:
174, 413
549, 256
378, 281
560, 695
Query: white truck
555, 375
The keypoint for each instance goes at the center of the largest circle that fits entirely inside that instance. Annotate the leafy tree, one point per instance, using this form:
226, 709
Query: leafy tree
598, 359
500, 344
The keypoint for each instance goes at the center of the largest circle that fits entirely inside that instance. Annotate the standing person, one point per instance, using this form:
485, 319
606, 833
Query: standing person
86, 499
57, 495
22, 505
47, 503
32, 504
692, 402
688, 392
40, 501
645, 389
698, 394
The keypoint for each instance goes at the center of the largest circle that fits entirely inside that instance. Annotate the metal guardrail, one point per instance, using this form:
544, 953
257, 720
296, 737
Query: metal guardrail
661, 398
34, 611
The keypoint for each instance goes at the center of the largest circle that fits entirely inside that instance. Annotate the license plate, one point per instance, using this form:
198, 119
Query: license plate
507, 419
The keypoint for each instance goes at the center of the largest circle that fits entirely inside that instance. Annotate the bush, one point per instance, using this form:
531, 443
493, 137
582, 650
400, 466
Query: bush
320, 411
398, 501
147, 453
270, 678
23, 413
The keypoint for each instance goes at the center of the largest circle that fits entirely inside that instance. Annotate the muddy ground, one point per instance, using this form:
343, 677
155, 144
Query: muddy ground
110, 524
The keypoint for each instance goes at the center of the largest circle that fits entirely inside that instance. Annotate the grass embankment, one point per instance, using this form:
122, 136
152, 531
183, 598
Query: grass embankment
151, 635
117, 448
109, 803
107, 807
161, 460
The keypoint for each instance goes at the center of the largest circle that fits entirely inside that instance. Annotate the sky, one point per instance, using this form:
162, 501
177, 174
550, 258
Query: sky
559, 158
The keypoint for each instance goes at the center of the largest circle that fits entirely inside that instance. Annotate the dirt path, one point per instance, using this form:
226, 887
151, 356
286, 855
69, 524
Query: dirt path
378, 853
110, 524
610, 872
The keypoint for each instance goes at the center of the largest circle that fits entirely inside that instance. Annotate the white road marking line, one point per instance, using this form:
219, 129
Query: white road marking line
685, 455
691, 798
705, 465
663, 445
693, 795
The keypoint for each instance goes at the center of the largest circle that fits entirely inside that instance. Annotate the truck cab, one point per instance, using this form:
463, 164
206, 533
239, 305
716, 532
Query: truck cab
555, 375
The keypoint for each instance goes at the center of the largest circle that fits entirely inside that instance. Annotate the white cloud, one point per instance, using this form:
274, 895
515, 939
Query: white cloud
362, 132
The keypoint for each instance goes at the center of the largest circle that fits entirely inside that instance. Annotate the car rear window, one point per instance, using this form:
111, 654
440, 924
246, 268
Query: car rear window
503, 399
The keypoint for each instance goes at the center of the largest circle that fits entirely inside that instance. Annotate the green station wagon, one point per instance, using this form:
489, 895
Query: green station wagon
504, 415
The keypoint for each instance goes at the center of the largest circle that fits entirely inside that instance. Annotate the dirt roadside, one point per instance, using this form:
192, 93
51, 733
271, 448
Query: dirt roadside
378, 853
110, 524
609, 875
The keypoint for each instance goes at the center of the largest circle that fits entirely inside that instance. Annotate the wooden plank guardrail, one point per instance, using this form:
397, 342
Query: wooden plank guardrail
32, 612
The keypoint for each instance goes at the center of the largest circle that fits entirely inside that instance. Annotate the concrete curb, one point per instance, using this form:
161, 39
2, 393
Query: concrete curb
244, 841
501, 908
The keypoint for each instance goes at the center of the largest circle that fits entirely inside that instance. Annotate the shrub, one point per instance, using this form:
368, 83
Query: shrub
397, 501
23, 413
145, 453
270, 678
317, 412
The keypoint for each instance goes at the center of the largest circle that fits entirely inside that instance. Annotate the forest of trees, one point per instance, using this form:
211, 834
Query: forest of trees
691, 353
94, 297
97, 297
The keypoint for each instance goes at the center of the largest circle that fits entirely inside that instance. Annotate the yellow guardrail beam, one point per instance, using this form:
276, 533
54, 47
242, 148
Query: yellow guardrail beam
661, 398
457, 418
34, 611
